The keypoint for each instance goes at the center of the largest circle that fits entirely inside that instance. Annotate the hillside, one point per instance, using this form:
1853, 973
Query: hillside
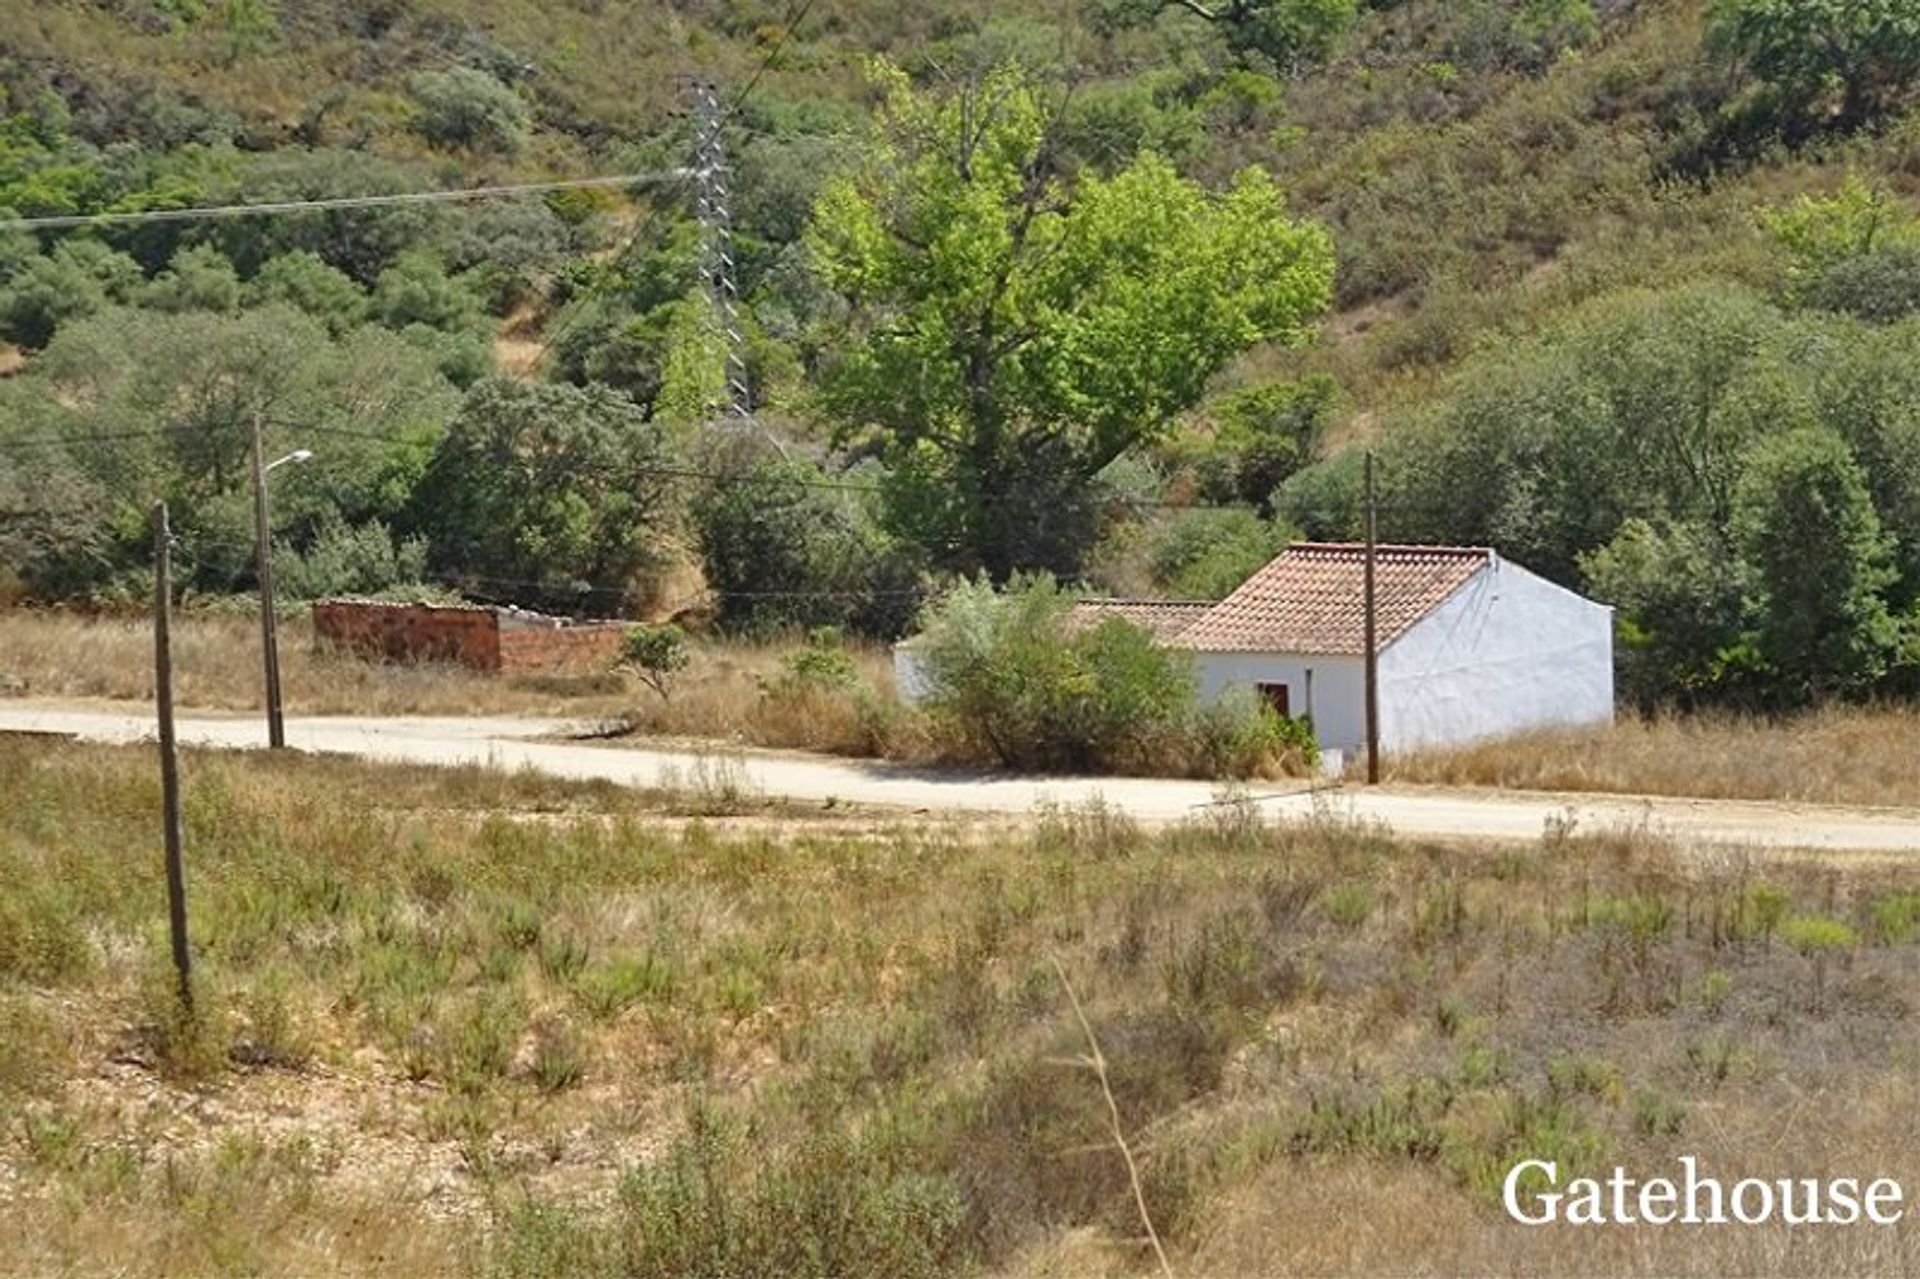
1502, 180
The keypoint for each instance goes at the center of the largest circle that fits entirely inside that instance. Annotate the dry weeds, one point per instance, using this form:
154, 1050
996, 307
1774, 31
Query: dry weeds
1850, 755
217, 667
558, 1036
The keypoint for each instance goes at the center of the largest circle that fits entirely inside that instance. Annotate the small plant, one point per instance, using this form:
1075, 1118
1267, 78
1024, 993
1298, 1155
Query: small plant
1895, 916
1348, 905
1715, 985
561, 957
274, 1032
1657, 1115
610, 988
1450, 1016
1589, 1076
559, 1057
655, 654
1816, 935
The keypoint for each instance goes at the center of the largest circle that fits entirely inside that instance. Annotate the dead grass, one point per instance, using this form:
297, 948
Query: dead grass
720, 696
560, 1036
1861, 756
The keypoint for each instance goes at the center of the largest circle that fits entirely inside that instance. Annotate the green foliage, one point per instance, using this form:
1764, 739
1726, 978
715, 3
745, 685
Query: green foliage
783, 546
78, 279
1880, 287
1812, 934
1805, 522
1206, 555
656, 653
1822, 232
545, 495
466, 107
1035, 332
1008, 670
1864, 53
417, 290
161, 405
838, 1203
1284, 33
199, 279
1681, 609
302, 280
1016, 675
343, 559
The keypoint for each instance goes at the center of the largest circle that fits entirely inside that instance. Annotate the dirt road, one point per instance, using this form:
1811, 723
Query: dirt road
1410, 811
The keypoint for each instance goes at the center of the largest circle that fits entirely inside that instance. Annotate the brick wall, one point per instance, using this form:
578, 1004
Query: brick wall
575, 649
411, 632
486, 639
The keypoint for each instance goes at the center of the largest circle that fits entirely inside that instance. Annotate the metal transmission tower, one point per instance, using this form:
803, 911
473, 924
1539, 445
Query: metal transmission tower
715, 208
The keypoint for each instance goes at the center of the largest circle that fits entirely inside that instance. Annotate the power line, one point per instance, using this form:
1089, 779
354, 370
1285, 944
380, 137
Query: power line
795, 16
65, 221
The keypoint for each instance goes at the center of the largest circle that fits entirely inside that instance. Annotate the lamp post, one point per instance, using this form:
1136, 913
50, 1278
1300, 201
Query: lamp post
269, 635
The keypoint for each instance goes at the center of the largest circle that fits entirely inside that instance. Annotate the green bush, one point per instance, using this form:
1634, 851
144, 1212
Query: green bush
656, 654
349, 559
834, 1204
1015, 677
465, 107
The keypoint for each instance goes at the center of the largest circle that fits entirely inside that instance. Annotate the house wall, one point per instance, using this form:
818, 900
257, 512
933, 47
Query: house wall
1338, 701
1507, 652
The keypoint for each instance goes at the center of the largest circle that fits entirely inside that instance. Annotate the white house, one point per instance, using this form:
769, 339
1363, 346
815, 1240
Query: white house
1470, 645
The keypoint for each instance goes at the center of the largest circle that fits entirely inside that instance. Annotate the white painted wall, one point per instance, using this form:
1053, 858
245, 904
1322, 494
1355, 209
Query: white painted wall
1338, 701
1508, 651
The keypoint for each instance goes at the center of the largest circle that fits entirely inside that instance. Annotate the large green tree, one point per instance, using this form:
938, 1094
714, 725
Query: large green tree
1864, 53
1011, 335
130, 406
546, 494
1806, 525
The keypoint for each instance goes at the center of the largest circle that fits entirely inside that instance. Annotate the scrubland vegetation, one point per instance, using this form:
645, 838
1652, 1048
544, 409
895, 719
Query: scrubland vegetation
1832, 756
477, 1021
1635, 279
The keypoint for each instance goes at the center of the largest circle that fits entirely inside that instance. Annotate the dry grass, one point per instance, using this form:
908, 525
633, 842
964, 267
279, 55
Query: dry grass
467, 1021
1865, 756
217, 667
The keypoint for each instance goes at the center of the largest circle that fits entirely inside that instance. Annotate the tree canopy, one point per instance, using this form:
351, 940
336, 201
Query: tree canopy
1012, 334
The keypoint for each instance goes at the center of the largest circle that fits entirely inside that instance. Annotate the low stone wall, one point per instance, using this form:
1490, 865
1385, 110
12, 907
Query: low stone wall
484, 638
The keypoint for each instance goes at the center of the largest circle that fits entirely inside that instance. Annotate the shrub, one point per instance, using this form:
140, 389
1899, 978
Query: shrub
1013, 677
1879, 287
1011, 674
836, 1204
782, 524
656, 654
464, 107
349, 559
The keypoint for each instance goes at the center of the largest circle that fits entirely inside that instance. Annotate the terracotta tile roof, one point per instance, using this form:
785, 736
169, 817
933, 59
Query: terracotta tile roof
1163, 619
1309, 599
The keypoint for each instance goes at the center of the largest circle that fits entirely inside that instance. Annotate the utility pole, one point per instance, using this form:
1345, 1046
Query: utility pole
169, 754
269, 630
1371, 641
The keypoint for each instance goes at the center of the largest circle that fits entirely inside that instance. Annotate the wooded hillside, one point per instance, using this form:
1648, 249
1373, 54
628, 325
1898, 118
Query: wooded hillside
1112, 289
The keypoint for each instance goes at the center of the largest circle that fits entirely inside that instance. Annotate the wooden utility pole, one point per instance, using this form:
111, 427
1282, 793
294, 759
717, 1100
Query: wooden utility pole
1372, 647
169, 753
269, 633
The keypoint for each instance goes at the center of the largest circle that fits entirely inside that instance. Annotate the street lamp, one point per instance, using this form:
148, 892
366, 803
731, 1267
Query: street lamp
269, 636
